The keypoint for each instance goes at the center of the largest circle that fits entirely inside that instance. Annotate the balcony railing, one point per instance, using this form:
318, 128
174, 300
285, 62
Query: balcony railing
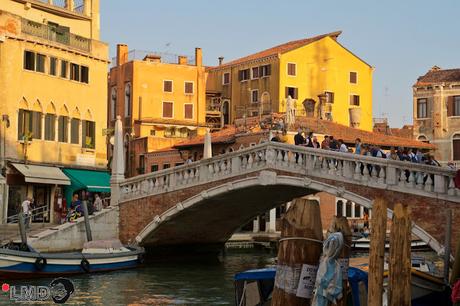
51, 33
76, 6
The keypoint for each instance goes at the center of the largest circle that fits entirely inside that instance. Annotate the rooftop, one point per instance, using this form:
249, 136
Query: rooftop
438, 75
164, 57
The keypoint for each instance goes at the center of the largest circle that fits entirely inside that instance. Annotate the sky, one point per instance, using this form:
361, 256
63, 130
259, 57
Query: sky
402, 39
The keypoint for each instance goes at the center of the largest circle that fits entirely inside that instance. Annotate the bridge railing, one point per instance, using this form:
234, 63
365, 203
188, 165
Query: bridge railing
357, 169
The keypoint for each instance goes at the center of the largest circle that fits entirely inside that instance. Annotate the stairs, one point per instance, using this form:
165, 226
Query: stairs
10, 232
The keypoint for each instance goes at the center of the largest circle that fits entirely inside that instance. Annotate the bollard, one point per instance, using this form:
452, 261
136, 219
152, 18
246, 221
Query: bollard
84, 205
298, 255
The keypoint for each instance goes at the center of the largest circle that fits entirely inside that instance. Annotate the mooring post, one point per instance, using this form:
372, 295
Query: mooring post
89, 236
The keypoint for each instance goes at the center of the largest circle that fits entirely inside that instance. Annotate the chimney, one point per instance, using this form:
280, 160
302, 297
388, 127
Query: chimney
221, 60
198, 57
435, 68
182, 60
152, 58
122, 54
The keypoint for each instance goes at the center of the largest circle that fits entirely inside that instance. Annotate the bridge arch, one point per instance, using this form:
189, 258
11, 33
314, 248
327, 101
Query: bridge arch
162, 229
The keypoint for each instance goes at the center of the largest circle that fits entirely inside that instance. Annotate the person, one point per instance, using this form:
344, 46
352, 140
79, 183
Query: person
26, 211
451, 165
392, 154
333, 145
298, 138
276, 138
358, 146
315, 142
97, 203
366, 219
76, 205
189, 160
309, 140
325, 143
342, 147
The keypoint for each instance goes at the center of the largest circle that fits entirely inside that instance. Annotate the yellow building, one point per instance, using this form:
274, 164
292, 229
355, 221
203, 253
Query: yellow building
162, 98
324, 79
54, 93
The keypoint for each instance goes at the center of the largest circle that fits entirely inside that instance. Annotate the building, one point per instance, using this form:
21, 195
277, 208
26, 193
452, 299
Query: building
436, 112
381, 126
54, 91
161, 97
325, 79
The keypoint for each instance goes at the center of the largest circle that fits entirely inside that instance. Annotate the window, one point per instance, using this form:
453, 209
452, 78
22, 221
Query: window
453, 106
40, 63
456, 147
339, 208
226, 78
353, 77
63, 127
265, 71
357, 211
422, 108
24, 124
88, 134
53, 66
166, 166
348, 209
113, 103
291, 69
354, 100
84, 74
188, 88
255, 96
74, 131
255, 73
128, 100
188, 111
168, 86
141, 169
74, 72
329, 97
50, 127
64, 68
29, 60
153, 168
292, 91
243, 75
168, 111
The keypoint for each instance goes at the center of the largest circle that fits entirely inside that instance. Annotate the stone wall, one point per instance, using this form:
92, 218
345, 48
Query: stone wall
72, 236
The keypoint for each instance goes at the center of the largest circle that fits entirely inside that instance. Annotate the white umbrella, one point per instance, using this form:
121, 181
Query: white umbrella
207, 152
118, 157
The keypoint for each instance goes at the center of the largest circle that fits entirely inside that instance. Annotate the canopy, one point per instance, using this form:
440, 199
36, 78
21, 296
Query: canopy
42, 174
93, 181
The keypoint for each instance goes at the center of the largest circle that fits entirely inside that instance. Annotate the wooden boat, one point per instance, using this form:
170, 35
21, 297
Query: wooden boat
22, 261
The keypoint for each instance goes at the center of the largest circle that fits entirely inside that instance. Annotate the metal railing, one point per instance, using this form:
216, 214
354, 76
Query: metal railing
34, 213
53, 34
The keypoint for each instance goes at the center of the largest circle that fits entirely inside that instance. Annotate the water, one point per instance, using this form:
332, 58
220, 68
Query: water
175, 282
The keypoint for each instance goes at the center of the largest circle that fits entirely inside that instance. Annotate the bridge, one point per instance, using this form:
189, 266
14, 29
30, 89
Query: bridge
205, 202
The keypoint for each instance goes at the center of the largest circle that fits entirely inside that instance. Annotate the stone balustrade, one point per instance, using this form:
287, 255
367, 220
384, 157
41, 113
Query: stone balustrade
405, 177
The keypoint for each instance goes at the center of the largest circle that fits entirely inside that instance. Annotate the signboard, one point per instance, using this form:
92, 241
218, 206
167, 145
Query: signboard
86, 159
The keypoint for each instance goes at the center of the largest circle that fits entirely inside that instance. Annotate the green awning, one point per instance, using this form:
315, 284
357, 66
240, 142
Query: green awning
92, 181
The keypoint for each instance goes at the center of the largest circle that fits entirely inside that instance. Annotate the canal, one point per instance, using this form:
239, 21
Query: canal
182, 281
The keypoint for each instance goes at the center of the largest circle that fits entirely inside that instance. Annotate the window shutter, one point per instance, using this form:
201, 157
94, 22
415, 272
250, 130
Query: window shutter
188, 111
240, 75
287, 92
296, 95
83, 133
450, 106
20, 124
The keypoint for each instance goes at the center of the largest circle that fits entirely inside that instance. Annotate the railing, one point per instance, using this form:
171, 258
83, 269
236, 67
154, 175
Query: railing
369, 171
50, 33
34, 213
76, 6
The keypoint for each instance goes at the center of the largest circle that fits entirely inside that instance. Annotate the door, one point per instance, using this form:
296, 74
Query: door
456, 147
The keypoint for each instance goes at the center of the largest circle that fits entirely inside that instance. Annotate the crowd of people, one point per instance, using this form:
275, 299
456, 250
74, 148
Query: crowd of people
76, 210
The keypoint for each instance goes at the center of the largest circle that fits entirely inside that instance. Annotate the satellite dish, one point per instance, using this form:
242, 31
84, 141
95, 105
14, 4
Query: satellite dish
112, 141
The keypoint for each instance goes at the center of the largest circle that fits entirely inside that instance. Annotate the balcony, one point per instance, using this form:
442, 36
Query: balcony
57, 34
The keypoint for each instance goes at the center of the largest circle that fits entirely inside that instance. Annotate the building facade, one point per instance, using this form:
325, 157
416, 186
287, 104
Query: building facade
53, 89
161, 97
436, 112
324, 79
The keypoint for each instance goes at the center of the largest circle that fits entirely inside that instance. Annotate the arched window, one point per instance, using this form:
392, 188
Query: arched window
128, 100
456, 146
113, 103
423, 138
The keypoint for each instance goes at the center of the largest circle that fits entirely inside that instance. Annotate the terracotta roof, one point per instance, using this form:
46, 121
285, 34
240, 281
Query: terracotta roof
437, 75
226, 135
279, 49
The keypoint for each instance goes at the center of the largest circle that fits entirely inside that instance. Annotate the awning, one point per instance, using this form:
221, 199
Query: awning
42, 174
93, 181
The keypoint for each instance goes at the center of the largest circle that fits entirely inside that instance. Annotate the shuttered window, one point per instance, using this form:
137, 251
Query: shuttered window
188, 111
243, 75
50, 127
168, 86
456, 147
53, 66
63, 127
226, 78
74, 72
24, 123
422, 108
40, 63
255, 73
265, 70
75, 131
88, 134
255, 96
292, 91
188, 87
329, 97
168, 109
453, 106
29, 60
354, 100
84, 74
291, 69
64, 68
353, 77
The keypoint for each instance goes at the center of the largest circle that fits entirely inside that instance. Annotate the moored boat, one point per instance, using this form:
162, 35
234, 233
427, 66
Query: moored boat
22, 261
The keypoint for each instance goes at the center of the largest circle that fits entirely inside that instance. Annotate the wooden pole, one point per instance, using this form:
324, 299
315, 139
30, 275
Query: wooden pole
456, 268
377, 251
447, 250
298, 258
399, 293
340, 224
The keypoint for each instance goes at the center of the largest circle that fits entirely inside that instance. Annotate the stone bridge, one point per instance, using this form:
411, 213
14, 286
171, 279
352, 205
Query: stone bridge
205, 202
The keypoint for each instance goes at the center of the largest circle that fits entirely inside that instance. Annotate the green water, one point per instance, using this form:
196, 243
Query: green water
185, 281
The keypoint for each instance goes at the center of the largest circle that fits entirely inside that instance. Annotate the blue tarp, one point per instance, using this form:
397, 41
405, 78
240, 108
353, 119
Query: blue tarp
258, 274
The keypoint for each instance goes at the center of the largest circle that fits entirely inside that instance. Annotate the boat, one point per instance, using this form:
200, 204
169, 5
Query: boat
18, 260
363, 243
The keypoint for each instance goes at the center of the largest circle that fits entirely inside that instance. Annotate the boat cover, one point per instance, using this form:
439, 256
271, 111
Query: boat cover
257, 274
355, 277
103, 244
